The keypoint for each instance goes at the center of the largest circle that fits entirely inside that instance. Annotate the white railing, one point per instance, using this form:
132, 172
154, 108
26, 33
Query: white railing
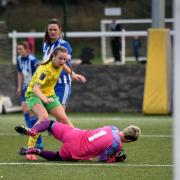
95, 34
133, 21
105, 26
15, 35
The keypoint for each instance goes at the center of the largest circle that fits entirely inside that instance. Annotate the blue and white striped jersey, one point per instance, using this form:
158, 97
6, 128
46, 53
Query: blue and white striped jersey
27, 66
65, 78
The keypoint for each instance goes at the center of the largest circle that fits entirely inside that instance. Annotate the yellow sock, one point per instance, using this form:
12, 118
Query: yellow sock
32, 140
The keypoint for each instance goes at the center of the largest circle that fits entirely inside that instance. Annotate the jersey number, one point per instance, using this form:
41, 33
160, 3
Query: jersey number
97, 135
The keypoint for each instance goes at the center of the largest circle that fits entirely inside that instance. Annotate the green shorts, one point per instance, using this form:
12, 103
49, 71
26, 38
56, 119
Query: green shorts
32, 99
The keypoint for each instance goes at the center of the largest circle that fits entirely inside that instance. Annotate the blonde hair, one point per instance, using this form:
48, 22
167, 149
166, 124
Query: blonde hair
54, 53
132, 132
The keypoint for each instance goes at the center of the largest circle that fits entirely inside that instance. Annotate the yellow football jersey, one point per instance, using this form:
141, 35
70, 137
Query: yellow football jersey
46, 76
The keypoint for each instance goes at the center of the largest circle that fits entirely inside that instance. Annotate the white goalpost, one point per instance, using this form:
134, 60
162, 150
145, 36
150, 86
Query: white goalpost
176, 149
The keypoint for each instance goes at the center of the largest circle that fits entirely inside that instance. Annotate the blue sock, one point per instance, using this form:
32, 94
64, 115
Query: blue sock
33, 120
39, 143
27, 119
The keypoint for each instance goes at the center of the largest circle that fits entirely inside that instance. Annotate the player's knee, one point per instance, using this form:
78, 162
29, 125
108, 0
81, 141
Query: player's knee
43, 117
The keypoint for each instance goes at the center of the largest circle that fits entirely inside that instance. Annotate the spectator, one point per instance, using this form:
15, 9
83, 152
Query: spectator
136, 44
87, 55
116, 42
31, 42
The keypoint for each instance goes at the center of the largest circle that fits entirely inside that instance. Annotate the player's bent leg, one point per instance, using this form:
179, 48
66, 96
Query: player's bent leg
25, 131
42, 125
56, 109
40, 111
37, 128
26, 151
49, 155
60, 115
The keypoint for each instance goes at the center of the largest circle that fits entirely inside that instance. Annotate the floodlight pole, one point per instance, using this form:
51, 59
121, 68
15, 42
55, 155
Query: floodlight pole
158, 13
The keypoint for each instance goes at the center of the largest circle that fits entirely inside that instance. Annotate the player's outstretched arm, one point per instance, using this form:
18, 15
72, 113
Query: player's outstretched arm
76, 77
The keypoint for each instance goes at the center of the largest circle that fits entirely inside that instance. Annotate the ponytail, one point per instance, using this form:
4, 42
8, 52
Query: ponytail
54, 53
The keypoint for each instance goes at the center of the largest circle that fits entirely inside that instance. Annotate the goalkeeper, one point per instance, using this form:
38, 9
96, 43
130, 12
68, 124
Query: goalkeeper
104, 143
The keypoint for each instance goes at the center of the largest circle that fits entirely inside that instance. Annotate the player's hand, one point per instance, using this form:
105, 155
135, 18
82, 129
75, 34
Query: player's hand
78, 77
48, 100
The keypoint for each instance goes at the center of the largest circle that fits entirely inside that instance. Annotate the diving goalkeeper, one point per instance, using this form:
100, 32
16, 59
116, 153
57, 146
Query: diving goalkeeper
105, 143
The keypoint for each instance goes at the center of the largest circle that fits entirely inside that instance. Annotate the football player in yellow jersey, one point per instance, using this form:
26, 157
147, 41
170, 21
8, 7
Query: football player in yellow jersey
40, 94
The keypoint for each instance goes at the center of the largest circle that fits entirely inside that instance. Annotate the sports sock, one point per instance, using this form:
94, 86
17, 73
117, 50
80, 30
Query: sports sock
50, 155
32, 140
39, 143
42, 125
33, 120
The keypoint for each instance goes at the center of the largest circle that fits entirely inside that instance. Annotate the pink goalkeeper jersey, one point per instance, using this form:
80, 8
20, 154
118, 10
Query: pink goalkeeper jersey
85, 144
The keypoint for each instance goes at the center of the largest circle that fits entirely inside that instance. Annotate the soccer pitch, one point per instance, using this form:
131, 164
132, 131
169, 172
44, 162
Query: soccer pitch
150, 158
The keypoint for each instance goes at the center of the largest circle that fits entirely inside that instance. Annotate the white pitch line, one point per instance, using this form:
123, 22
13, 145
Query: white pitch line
119, 118
157, 136
145, 136
90, 164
